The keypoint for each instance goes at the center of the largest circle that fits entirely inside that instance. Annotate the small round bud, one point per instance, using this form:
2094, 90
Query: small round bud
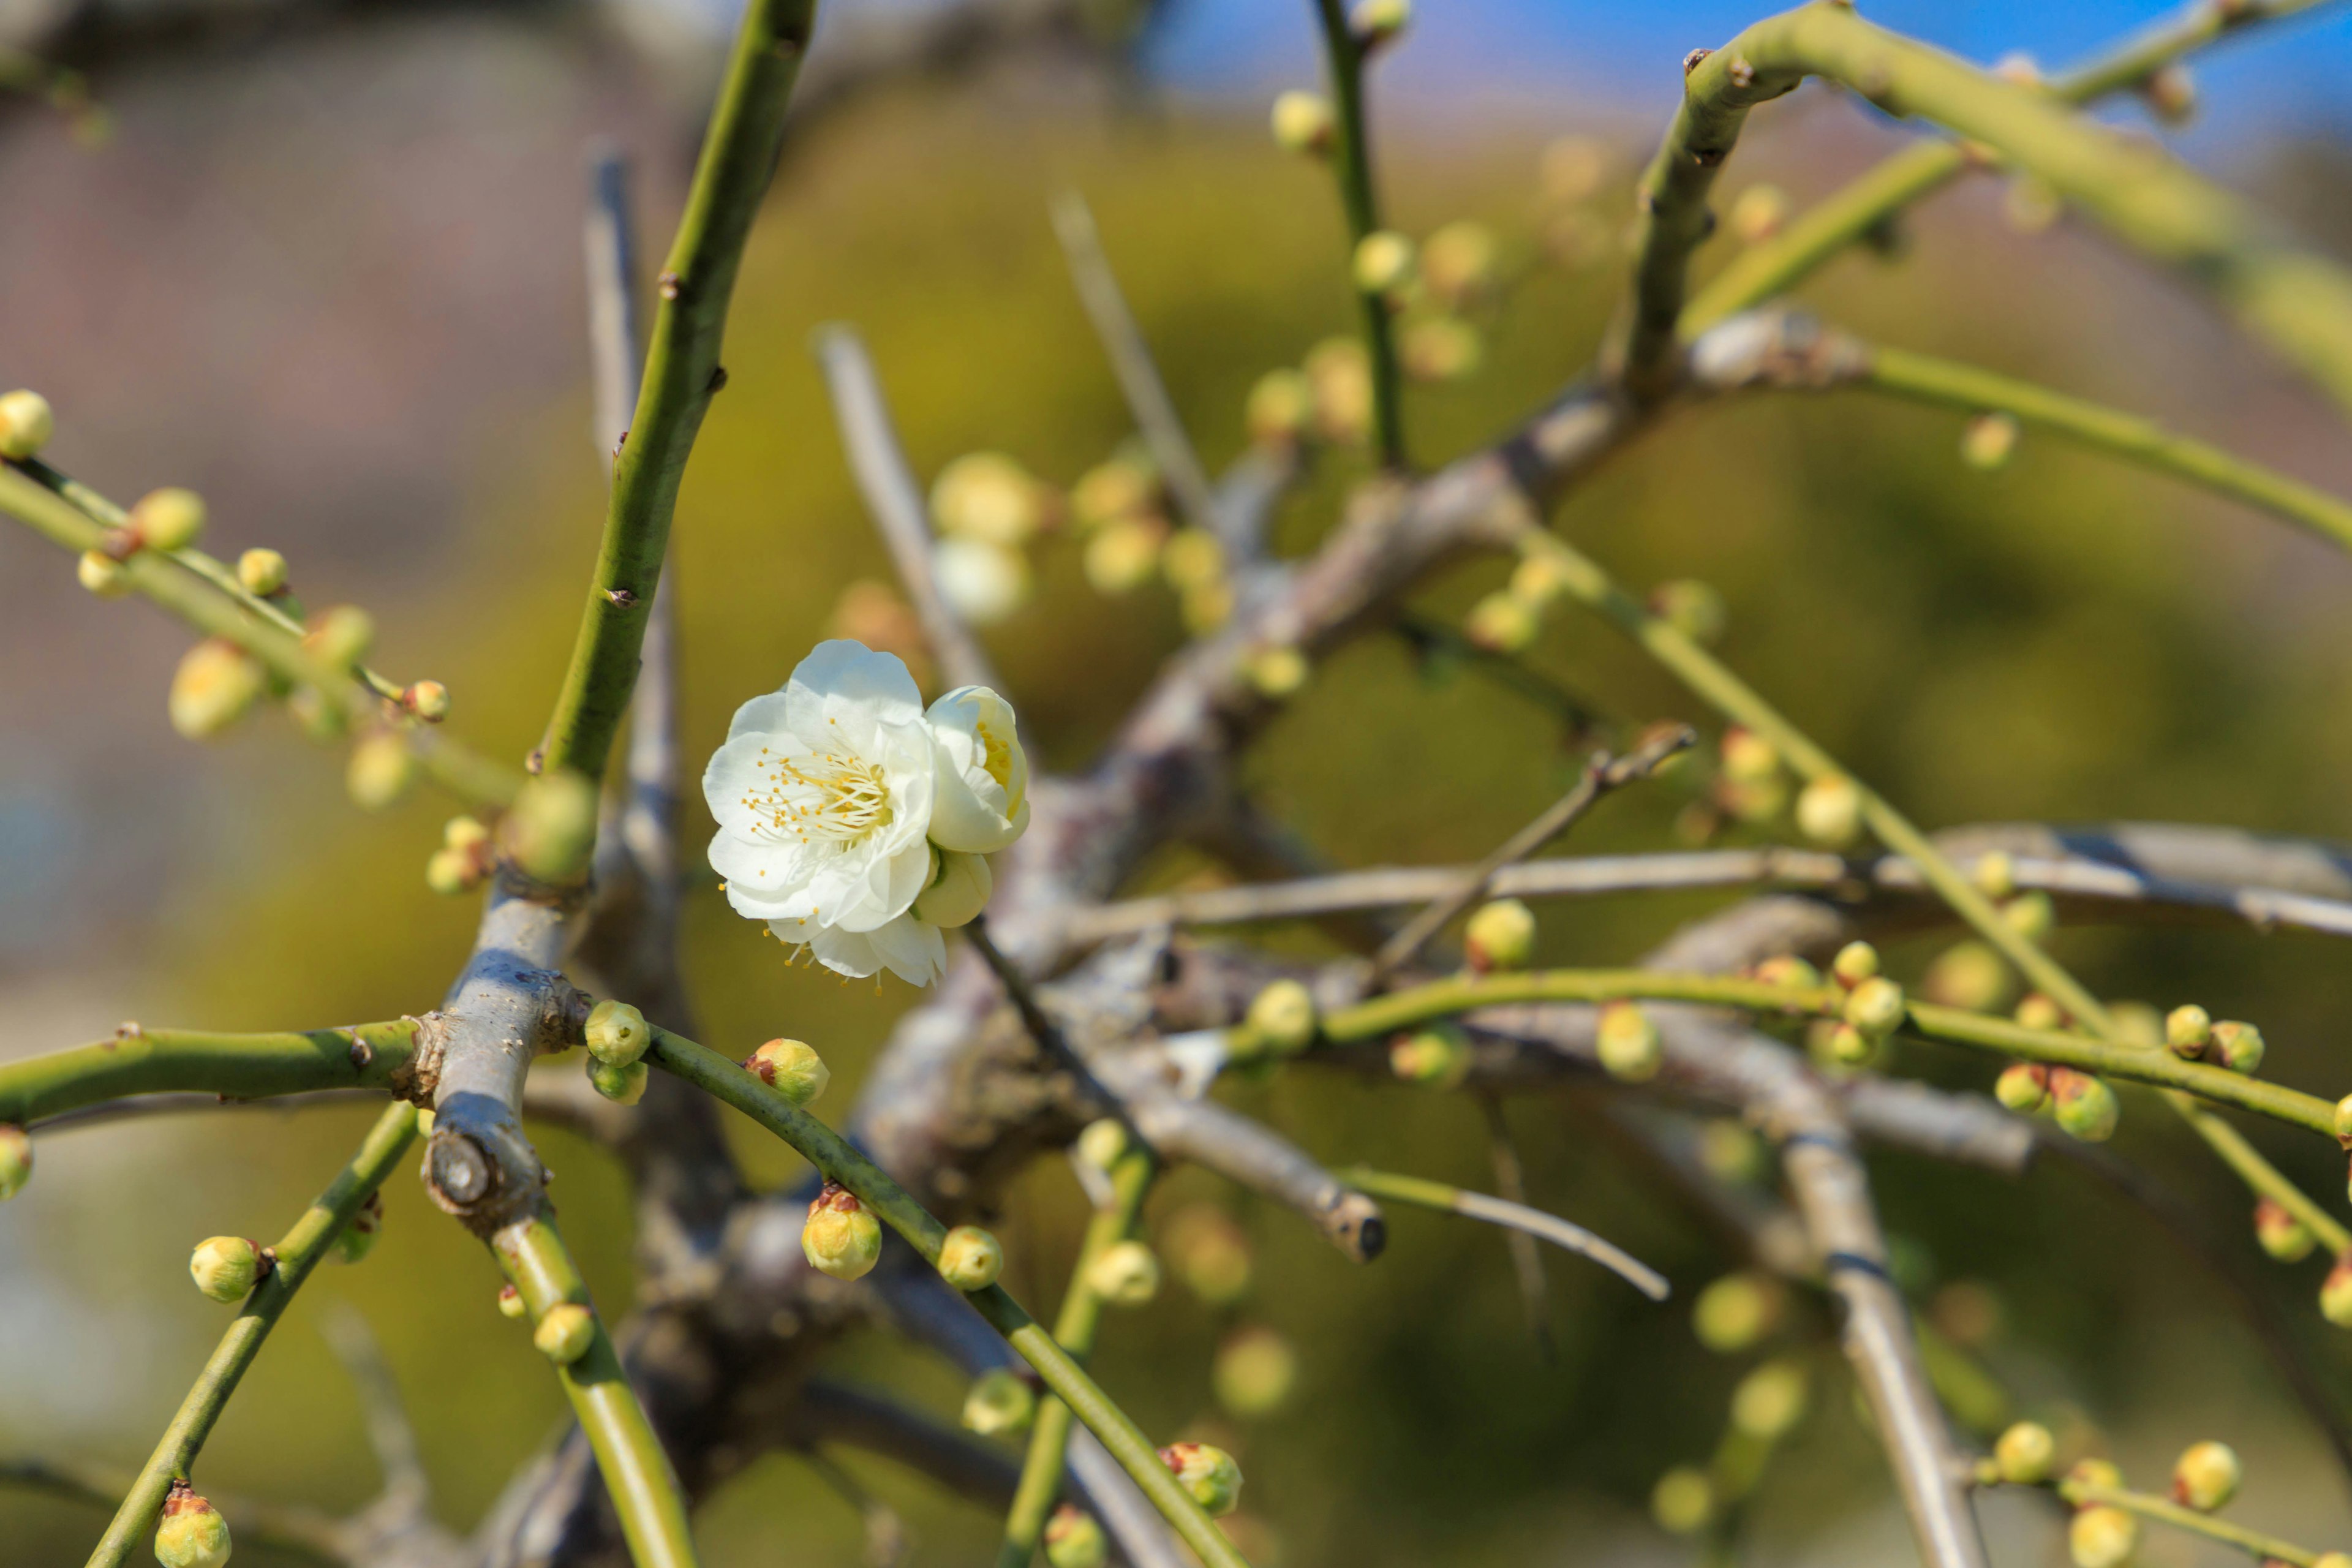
357, 1239
2344, 1121
1303, 123
25, 424
1996, 874
2281, 1235
102, 575
192, 1533
2336, 1294
1100, 1143
999, 1400
989, 498
168, 519
1770, 1401
227, 1268
428, 699
1845, 1046
1192, 558
1073, 1540
340, 636
984, 582
1457, 263
1501, 623
466, 835
2036, 1011
1876, 1006
1735, 1312
1120, 487
1788, 970
1206, 1472
380, 770
1436, 1056
1988, 441
1282, 1018
2025, 1453
623, 1085
1210, 1252
1441, 348
510, 1303
1376, 22
2023, 1087
2101, 1536
1124, 1274
1500, 937
16, 1160
1342, 376
2095, 1473
2238, 1047
216, 685
1537, 581
2030, 915
970, 1258
1254, 1372
261, 572
450, 873
2187, 1030
791, 1067
1692, 607
553, 828
842, 1238
616, 1033
1855, 962
1757, 213
1968, 974
2333, 1559
2206, 1476
1731, 1152
2170, 93
1121, 555
1829, 811
565, 1332
1748, 757
1383, 262
1277, 671
1279, 406
2084, 1106
1682, 1502
1627, 1042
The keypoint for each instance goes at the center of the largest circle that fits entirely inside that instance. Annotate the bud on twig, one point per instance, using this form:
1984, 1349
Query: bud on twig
1253, 1372
2188, 1030
1968, 974
791, 1067
1876, 1006
2238, 1047
428, 699
1208, 1473
261, 572
192, 1533
2036, 1011
1829, 811
1692, 607
1855, 962
1787, 969
511, 1302
616, 1033
2025, 1453
357, 1239
2336, 1294
380, 770
1302, 123
1073, 1540
1101, 1142
999, 1401
102, 575
25, 424
2030, 915
623, 1085
2205, 1477
2281, 1235
970, 1258
1988, 441
1627, 1042
1281, 1020
216, 683
169, 518
1376, 23
1500, 937
227, 1268
1124, 1274
2023, 1087
1736, 1311
1770, 1401
1279, 406
2101, 1536
842, 1238
2170, 93
340, 636
1436, 1056
2084, 1106
1501, 623
1383, 262
565, 1332
16, 1160
552, 826
1441, 348
1457, 264
1682, 1502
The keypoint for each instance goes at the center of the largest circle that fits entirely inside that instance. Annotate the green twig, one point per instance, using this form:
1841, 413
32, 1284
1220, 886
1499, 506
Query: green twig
136, 1060
298, 1252
1352, 153
298, 1532
2086, 1494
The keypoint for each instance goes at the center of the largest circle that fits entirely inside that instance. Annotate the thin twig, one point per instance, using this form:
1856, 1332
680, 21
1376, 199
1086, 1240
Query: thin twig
1424, 1193
1352, 154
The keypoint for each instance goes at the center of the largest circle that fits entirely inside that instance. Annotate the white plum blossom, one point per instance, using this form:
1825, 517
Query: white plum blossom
829, 793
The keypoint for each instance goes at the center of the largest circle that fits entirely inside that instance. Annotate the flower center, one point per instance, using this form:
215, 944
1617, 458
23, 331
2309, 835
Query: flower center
996, 757
824, 796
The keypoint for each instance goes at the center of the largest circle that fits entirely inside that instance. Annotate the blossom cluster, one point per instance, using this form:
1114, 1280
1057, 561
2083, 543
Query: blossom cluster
855, 821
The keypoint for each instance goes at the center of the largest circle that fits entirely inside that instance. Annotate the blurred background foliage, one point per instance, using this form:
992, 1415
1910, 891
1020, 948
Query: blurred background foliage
2063, 639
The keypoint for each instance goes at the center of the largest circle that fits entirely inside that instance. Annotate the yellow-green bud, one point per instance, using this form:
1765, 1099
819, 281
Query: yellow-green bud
1253, 1372
1848, 1046
2187, 1029
1122, 554
2333, 1559
791, 1067
216, 683
1757, 213
2036, 1011
428, 699
102, 575
1730, 1150
2344, 1121
1501, 623
1682, 1502
999, 1400
565, 1332
1692, 607
2170, 92
1537, 581
1302, 123
1988, 441
16, 1160
1748, 757
1282, 1018
450, 873
1279, 406
1787, 969
1211, 1253
1375, 22
168, 519
552, 827
1124, 1274
227, 1268
25, 424
970, 1258
1855, 962
2336, 1294
987, 497
2023, 1087
2238, 1047
1829, 811
357, 1239
842, 1238
192, 1533
340, 636
1340, 373
1120, 487
2206, 1476
1192, 558
2095, 1473
2086, 1106
1876, 1006
2281, 1235
616, 1033
1627, 1042
1436, 1055
623, 1085
261, 572
1073, 1540
1101, 1142
1968, 974
1277, 671
1738, 1311
1770, 1400
1995, 874
380, 770
1457, 263
1383, 262
2031, 914
2101, 1536
1500, 937
2025, 1453
1441, 348
1208, 1473
511, 1304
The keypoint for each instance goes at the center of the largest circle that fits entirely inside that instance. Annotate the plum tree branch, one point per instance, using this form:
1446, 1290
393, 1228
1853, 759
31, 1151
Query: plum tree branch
1423, 1193
1344, 55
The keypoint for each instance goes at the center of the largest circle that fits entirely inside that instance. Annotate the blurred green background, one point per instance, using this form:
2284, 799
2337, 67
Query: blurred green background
2063, 639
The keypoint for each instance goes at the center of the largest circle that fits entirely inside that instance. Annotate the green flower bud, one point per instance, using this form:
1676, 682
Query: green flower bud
340, 636
2023, 1087
1383, 262
1736, 1311
357, 1239
1124, 1274
1279, 406
192, 1533
1457, 263
841, 1238
1208, 1473
1786, 969
511, 1302
2344, 1121
1441, 348
1500, 623
616, 1033
1757, 213
1122, 555
1073, 1540
216, 683
1205, 608
2101, 1536
1770, 1401
2238, 1047
1829, 811
1376, 22
1692, 607
102, 575
1277, 671
16, 1160
227, 1268
2205, 1477
380, 770
1682, 1502
1282, 1017
1855, 962
1120, 487
792, 1068
168, 519
2030, 915
552, 827
25, 424
1627, 1042
1748, 757
2336, 1294
1848, 1046
990, 498
2025, 1453
624, 1085
1253, 1372
1968, 974
1340, 373
970, 1258
1995, 874
2095, 1473
2187, 1030
1102, 1142
428, 699
2333, 1559
1988, 441
1730, 1150
448, 873
1876, 1006
261, 572
1537, 581
565, 1332
2170, 93
2035, 1011
2086, 1106
1303, 123
2281, 1235
1436, 1055
1210, 1252
1500, 937
1000, 1400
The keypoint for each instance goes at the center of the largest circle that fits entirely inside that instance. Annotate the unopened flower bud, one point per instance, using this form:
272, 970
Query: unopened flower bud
2344, 1121
1253, 1372
2031, 914
340, 636
168, 519
1376, 22
1627, 1042
1303, 123
1124, 1274
511, 1304
1730, 1150
2206, 1476
25, 424
1747, 756
1340, 373
1206, 607
16, 1160
1694, 608
2330, 1560
2336, 1294
1121, 486
1441, 348
1738, 1311
1100, 1143
982, 581
616, 1033
2170, 93
999, 1400
1279, 406
1500, 937
227, 1268
553, 828
1770, 1400
1855, 962
428, 699
2084, 1106
791, 1067
357, 1239
1277, 671
1786, 969
2036, 1011
216, 683
1757, 213
1073, 1540
623, 1085
970, 1258
1207, 1473
1682, 1502
989, 498
1537, 581
842, 1238
2281, 1235
2095, 1473
1457, 263
1500, 623
1989, 440
1436, 1056
2023, 1087
1282, 1018
565, 1332
2025, 1453
1876, 1006
192, 1533
261, 572
2238, 1047
1210, 1252
450, 873
2101, 1536
1995, 874
1383, 262
102, 575
380, 770
1968, 974
1192, 558
2187, 1030
1121, 555
1829, 811
1844, 1046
